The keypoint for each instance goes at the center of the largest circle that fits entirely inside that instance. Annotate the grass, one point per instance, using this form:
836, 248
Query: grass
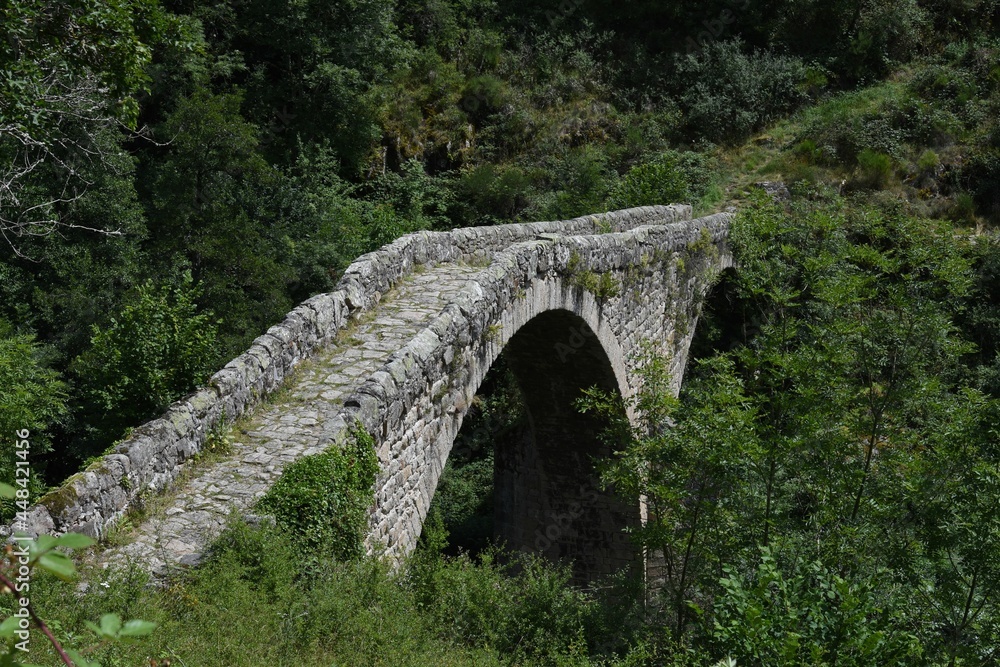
910, 170
772, 155
253, 604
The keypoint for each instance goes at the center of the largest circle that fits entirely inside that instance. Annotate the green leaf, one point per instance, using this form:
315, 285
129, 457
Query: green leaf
58, 564
43, 544
75, 541
111, 625
137, 628
7, 491
8, 627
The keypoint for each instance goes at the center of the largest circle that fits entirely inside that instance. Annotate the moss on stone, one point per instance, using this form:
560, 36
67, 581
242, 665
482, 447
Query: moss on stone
58, 500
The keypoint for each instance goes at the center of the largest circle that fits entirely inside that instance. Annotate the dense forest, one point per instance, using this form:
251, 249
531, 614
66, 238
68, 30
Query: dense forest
177, 174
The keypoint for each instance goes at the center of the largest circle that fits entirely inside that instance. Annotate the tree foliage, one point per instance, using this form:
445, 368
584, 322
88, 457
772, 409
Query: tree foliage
158, 348
822, 491
71, 73
33, 400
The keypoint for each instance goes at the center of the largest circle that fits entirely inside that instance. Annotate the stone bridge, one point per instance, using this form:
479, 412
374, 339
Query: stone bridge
402, 346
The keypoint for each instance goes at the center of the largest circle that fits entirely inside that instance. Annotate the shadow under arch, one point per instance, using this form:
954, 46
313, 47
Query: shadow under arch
548, 499
725, 321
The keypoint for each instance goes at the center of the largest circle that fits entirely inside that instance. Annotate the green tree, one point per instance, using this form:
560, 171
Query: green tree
215, 208
804, 613
160, 346
32, 400
688, 460
71, 72
837, 434
309, 69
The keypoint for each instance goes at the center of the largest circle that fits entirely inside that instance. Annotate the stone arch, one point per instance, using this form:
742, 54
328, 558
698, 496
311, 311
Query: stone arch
416, 403
557, 341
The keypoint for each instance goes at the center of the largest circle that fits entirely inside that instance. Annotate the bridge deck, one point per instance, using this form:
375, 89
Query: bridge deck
285, 429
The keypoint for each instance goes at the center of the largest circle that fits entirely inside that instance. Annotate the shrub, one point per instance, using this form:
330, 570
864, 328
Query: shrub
964, 209
525, 609
659, 182
875, 168
882, 119
323, 500
928, 161
805, 613
582, 176
158, 347
489, 194
728, 94
981, 177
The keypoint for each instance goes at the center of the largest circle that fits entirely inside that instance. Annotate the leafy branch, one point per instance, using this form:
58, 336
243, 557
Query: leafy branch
43, 553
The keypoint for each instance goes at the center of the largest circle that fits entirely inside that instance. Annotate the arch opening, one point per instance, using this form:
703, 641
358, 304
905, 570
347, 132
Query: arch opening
724, 322
544, 495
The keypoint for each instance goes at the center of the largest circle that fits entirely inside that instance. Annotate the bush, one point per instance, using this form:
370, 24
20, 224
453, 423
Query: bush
660, 182
582, 176
526, 609
32, 399
728, 94
964, 208
491, 194
159, 347
981, 176
875, 168
670, 177
323, 500
805, 614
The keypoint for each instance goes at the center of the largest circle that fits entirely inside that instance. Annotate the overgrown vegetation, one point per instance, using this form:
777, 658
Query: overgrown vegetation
254, 602
822, 494
177, 175
322, 500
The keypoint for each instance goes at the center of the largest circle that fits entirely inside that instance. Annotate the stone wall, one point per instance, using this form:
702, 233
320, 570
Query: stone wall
154, 454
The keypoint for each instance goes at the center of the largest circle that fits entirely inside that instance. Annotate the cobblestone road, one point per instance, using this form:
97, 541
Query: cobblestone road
294, 425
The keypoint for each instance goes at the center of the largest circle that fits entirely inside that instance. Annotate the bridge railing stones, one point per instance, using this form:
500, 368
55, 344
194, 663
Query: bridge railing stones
152, 456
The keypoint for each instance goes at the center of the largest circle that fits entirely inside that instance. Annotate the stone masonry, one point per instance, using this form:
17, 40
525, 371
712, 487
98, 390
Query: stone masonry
401, 347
